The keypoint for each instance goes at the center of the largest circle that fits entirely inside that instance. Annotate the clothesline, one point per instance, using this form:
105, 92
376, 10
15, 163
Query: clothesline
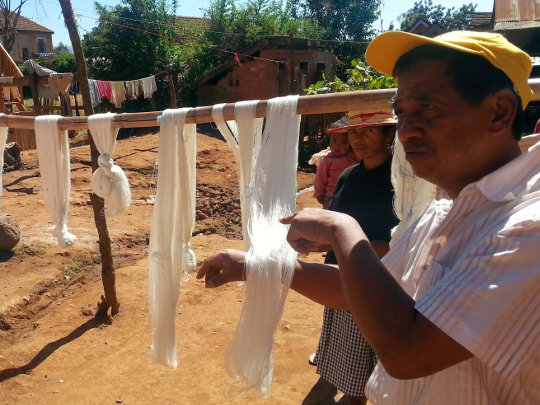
316, 104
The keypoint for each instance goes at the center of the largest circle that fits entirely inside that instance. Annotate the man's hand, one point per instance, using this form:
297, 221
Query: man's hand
222, 268
313, 229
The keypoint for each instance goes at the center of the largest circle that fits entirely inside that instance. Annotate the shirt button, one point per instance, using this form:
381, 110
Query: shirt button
424, 267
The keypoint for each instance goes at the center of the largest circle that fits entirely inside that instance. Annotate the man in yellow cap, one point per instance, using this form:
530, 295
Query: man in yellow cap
453, 310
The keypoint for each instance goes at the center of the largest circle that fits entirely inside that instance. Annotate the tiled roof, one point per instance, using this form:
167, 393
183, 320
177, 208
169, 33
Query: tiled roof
480, 19
25, 24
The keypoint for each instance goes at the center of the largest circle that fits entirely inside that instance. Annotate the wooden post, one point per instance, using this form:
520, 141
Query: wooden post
172, 91
35, 94
107, 269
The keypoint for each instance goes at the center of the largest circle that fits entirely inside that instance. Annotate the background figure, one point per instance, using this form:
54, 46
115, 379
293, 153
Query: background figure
331, 166
364, 191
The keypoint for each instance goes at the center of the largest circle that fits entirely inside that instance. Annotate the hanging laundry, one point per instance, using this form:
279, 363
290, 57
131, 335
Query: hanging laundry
149, 86
44, 91
73, 90
54, 167
59, 83
133, 89
105, 89
94, 92
173, 219
11, 93
119, 93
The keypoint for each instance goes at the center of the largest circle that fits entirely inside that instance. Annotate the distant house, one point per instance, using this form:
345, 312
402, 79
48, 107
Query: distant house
519, 21
255, 75
32, 39
425, 28
481, 21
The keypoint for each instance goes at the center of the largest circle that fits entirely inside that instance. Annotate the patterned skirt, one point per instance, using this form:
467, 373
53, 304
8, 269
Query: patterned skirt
344, 358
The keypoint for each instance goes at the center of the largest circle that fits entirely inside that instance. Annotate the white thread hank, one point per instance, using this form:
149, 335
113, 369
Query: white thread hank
173, 220
412, 194
270, 262
244, 139
109, 181
53, 154
3, 139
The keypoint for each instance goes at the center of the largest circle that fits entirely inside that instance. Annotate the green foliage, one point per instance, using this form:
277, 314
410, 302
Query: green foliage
61, 47
343, 20
360, 76
234, 26
118, 53
449, 18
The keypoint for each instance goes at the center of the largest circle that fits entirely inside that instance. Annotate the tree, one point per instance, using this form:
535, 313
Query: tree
61, 47
348, 21
123, 48
449, 18
234, 27
10, 20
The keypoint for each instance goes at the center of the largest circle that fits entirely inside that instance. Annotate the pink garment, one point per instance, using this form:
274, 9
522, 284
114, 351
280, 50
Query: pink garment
105, 89
328, 173
537, 128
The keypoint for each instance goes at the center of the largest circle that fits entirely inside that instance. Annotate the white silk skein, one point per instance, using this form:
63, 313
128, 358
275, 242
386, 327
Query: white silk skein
54, 167
270, 262
3, 139
109, 181
244, 139
173, 220
412, 195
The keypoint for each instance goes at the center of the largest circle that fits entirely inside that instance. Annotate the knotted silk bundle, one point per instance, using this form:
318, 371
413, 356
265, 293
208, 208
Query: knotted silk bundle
173, 220
53, 154
3, 139
270, 262
109, 181
244, 139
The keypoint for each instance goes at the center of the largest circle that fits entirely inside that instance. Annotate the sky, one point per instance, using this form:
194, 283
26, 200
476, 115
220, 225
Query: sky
48, 14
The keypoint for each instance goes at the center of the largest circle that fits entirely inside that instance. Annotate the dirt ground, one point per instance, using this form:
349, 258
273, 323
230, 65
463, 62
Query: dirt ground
53, 350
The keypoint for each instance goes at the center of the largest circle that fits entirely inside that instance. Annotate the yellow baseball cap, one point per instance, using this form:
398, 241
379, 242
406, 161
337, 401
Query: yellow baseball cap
384, 51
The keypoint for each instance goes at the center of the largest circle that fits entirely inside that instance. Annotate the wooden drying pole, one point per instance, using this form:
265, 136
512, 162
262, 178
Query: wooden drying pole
107, 269
317, 104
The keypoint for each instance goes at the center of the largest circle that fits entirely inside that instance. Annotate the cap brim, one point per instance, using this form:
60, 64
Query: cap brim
348, 127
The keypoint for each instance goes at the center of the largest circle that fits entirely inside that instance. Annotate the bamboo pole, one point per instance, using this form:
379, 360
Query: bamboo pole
108, 276
317, 104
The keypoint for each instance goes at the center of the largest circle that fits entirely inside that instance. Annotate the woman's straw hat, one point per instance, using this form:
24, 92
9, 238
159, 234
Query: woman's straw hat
357, 119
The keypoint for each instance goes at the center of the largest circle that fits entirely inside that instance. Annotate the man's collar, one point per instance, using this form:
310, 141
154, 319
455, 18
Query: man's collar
510, 181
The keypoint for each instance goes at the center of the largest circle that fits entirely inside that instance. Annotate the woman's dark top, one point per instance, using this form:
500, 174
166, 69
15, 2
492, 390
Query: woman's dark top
366, 195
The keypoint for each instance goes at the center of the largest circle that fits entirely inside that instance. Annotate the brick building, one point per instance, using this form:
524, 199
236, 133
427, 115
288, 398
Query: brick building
259, 77
32, 39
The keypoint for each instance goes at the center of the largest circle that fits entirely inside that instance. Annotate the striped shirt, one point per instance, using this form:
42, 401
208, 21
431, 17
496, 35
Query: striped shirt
473, 267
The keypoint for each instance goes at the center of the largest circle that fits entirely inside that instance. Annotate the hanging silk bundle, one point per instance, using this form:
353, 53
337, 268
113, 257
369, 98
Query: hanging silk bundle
3, 139
244, 139
109, 181
412, 194
53, 154
270, 262
173, 220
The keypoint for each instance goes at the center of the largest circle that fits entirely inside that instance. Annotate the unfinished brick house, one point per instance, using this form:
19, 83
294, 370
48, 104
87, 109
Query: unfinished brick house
261, 79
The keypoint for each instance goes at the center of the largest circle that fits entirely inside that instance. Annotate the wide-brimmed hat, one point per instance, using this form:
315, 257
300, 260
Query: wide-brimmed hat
384, 51
357, 119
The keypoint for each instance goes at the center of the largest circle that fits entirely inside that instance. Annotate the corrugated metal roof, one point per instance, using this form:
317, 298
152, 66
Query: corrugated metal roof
480, 19
516, 14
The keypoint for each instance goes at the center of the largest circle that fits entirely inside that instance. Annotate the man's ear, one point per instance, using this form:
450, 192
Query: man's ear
503, 106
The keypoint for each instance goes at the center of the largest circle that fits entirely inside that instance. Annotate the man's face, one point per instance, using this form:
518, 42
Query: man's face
444, 137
